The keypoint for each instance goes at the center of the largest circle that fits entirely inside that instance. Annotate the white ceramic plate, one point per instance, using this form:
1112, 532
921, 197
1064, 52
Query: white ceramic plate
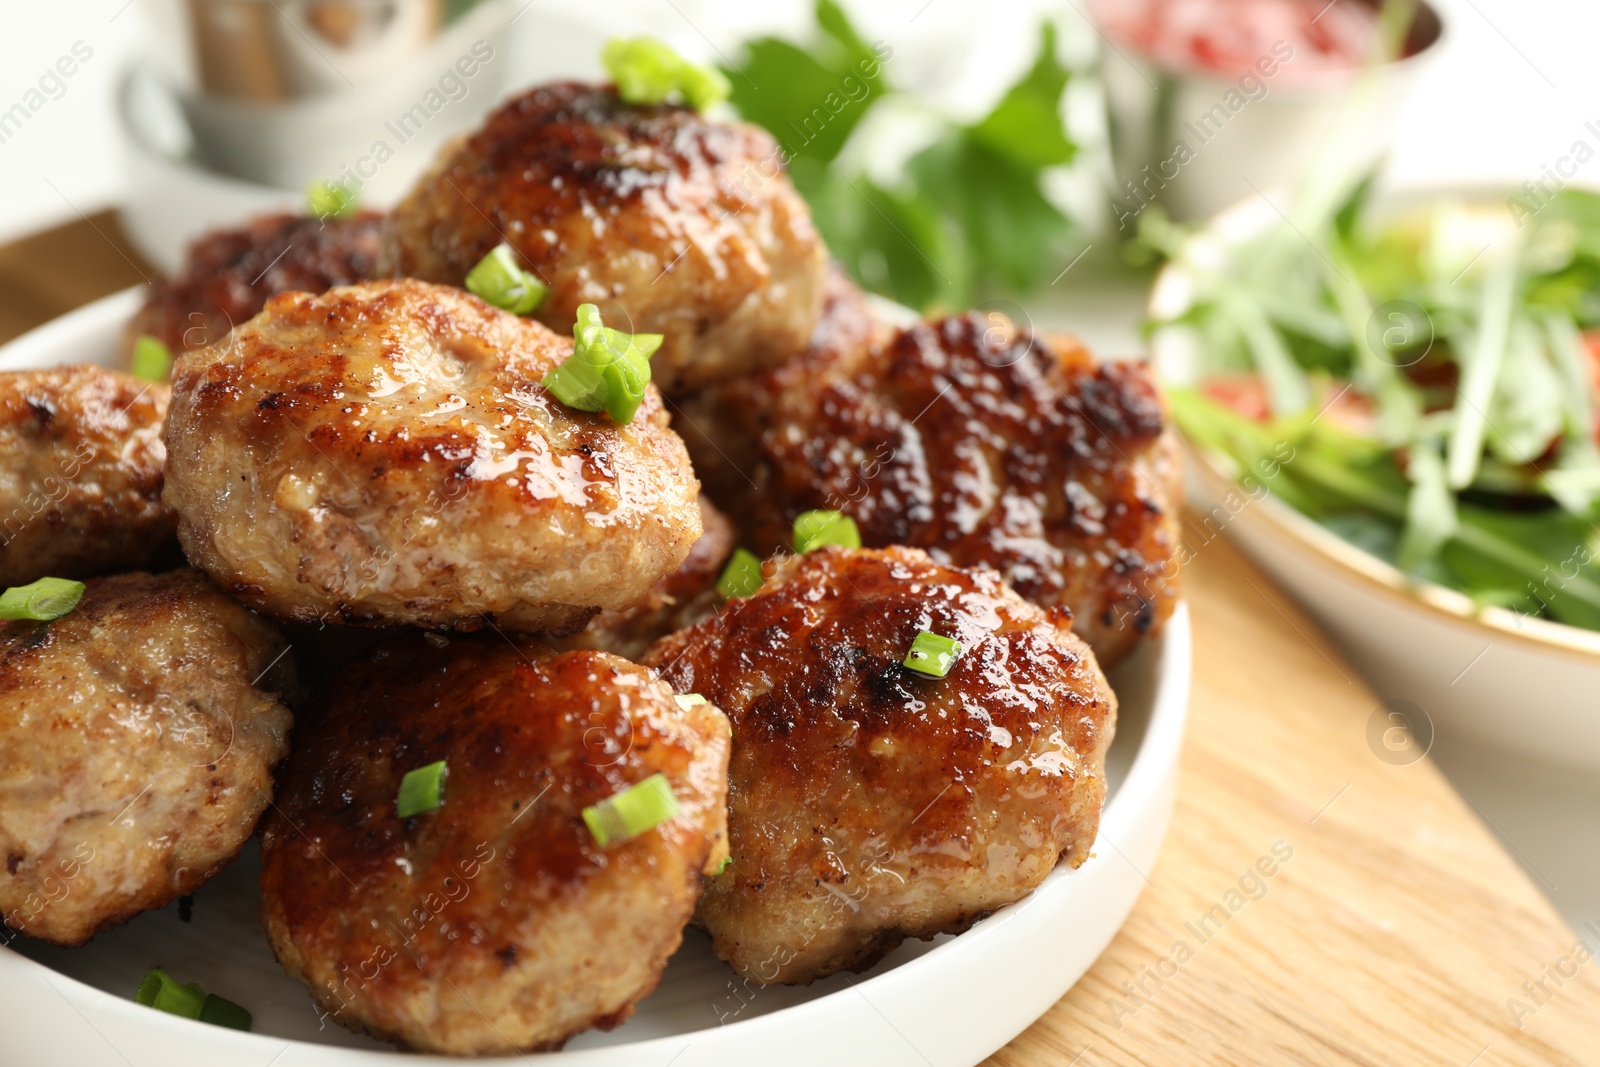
1437, 660
946, 1003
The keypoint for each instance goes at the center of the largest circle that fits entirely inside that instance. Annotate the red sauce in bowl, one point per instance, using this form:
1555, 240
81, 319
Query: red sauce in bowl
1228, 37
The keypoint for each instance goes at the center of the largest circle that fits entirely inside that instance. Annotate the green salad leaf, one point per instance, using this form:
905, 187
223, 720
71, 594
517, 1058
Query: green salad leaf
1431, 379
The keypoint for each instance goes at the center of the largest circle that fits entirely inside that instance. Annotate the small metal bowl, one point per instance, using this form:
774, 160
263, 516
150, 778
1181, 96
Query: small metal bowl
286, 92
1195, 141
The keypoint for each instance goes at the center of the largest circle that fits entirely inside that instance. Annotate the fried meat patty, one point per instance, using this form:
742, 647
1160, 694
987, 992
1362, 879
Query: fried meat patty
669, 222
868, 803
976, 443
228, 274
138, 734
81, 461
384, 453
495, 923
681, 599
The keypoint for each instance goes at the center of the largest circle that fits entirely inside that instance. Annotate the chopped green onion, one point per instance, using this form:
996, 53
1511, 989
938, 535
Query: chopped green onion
152, 359
631, 812
690, 700
161, 991
608, 369
421, 791
41, 601
329, 200
219, 1011
742, 575
499, 280
813, 529
727, 861
648, 71
932, 654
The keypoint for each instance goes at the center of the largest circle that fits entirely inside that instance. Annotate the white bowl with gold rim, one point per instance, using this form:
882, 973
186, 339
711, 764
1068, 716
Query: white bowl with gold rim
1438, 661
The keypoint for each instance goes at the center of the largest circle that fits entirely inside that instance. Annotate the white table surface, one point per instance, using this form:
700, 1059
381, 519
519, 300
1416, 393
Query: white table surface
1510, 90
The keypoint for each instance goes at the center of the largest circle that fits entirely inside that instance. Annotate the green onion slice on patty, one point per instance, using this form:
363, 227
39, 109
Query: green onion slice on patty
329, 200
742, 575
932, 654
41, 601
648, 71
608, 369
152, 359
813, 529
633, 811
499, 280
421, 790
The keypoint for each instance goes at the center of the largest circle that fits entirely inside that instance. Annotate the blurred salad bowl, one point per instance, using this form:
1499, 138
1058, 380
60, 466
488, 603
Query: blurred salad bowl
1391, 406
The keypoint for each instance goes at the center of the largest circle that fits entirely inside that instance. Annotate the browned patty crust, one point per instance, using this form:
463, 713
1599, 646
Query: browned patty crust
981, 446
868, 803
670, 223
81, 461
228, 274
385, 453
495, 923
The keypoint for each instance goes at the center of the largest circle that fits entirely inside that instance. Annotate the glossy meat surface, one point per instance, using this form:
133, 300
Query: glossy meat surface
723, 426
81, 461
980, 446
670, 223
495, 923
228, 274
384, 453
868, 803
681, 599
137, 738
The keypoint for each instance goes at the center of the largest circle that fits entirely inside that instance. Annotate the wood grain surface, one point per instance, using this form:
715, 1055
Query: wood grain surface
1314, 904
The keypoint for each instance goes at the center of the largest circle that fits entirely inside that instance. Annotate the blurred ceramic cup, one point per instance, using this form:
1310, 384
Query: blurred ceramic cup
1209, 100
286, 92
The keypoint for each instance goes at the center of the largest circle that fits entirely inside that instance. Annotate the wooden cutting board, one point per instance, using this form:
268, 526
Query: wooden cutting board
1314, 904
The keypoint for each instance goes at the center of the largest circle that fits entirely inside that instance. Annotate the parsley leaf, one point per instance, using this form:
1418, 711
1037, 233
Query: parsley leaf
1003, 223
1025, 126
965, 213
810, 101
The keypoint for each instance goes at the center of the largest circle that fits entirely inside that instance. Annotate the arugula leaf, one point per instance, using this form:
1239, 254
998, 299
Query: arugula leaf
1430, 511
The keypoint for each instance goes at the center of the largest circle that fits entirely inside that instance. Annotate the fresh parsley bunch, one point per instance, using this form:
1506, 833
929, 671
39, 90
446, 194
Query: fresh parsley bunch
967, 212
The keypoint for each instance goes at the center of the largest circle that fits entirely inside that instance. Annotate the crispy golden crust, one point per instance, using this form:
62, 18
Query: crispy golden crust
80, 474
868, 803
982, 448
669, 223
137, 738
385, 453
681, 599
228, 274
496, 922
